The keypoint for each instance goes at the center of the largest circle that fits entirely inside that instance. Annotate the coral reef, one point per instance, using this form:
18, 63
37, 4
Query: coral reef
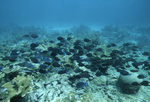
20, 87
77, 65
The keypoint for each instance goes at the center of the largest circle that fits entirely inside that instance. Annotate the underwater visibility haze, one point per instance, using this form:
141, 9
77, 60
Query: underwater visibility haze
74, 51
64, 12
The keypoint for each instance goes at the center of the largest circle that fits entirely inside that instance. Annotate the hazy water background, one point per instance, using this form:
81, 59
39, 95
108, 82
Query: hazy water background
46, 17
74, 12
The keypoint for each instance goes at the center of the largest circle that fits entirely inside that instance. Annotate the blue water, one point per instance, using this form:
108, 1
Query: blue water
73, 12
75, 50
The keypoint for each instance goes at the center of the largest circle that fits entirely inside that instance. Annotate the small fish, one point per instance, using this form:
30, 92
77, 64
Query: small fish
141, 76
38, 50
123, 72
1, 68
62, 50
29, 65
81, 85
63, 71
100, 49
86, 40
145, 83
46, 59
60, 38
43, 71
39, 57
135, 83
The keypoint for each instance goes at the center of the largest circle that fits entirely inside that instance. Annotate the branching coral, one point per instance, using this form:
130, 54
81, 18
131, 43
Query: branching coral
20, 88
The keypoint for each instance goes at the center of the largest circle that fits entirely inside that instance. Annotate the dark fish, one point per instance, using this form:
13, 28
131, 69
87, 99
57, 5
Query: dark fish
93, 68
60, 38
89, 55
22, 51
22, 64
67, 65
81, 85
88, 48
26, 35
53, 54
95, 42
127, 66
136, 64
34, 35
69, 38
80, 52
148, 57
68, 53
76, 57
81, 64
87, 40
103, 69
12, 58
56, 58
43, 66
85, 74
42, 71
60, 44
108, 46
56, 50
145, 83
29, 65
77, 42
146, 64
72, 50
39, 57
98, 73
56, 64
61, 52
114, 53
135, 83
134, 70
14, 52
34, 60
77, 47
1, 68
33, 46
141, 76
51, 41
126, 44
113, 45
46, 59
99, 49
44, 52
63, 71
74, 78
50, 48
146, 53
123, 72
78, 71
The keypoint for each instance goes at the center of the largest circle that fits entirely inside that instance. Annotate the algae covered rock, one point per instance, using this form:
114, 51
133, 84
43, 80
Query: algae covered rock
129, 83
19, 86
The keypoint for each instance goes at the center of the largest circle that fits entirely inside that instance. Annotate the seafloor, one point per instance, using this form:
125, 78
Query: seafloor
75, 65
